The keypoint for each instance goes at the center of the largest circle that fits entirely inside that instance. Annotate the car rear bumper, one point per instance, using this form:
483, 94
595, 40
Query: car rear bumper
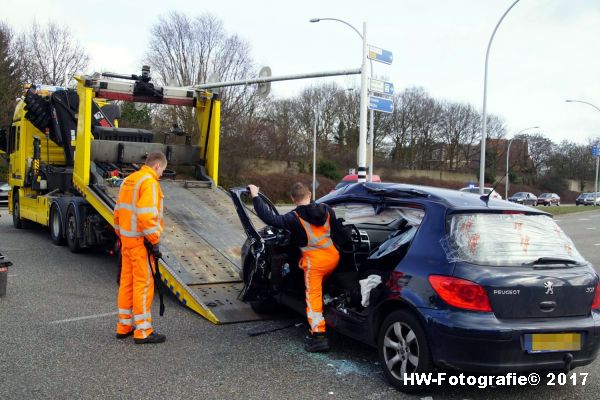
546, 202
479, 342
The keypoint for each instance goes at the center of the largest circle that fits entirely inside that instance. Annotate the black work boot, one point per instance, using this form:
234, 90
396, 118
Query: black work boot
152, 338
124, 335
316, 342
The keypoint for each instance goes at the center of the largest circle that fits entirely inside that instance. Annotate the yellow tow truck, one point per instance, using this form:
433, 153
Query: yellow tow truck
67, 155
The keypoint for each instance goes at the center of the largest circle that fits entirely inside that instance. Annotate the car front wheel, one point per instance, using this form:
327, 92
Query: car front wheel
403, 349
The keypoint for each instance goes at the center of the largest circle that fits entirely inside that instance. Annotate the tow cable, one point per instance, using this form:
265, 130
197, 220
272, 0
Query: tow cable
258, 331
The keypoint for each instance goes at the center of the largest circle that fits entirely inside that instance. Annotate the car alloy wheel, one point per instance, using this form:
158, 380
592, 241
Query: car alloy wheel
403, 348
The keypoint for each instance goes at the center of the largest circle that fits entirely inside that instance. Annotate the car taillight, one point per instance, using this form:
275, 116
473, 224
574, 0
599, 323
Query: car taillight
460, 293
596, 302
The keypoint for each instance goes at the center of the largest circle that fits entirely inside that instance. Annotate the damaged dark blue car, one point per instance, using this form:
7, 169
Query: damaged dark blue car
468, 283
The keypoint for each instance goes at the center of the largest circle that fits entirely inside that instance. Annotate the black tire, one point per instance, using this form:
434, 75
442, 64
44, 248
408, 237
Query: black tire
55, 224
168, 174
16, 215
71, 231
401, 338
266, 306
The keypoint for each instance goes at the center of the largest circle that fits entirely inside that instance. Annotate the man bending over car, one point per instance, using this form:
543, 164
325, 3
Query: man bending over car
310, 226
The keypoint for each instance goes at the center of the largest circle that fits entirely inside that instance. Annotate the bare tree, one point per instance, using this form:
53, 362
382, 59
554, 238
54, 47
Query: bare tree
9, 76
455, 122
49, 55
540, 151
188, 51
573, 161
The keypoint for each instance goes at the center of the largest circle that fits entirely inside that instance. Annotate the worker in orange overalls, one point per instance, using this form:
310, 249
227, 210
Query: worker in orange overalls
310, 225
138, 217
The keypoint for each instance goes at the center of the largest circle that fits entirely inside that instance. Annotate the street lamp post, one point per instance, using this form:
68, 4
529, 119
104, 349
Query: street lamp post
362, 137
507, 153
317, 115
484, 127
597, 158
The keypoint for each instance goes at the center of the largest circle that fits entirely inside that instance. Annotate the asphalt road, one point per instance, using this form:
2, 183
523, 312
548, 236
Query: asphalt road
57, 341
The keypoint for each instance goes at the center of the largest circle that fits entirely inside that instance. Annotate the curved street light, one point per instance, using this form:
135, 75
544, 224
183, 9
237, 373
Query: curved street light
507, 153
597, 158
584, 102
484, 128
317, 117
371, 117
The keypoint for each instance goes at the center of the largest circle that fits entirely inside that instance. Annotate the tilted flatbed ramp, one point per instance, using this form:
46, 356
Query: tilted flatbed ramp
201, 249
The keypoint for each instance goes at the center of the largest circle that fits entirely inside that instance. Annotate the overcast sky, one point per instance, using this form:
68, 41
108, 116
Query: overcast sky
544, 52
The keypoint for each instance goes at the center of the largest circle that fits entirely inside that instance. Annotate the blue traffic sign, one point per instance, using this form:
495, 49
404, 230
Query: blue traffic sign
381, 104
382, 87
595, 151
381, 55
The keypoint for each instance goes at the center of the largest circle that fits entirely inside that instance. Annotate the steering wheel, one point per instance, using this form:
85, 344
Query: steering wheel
355, 230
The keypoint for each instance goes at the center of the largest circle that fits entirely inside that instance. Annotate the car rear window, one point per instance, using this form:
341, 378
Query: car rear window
507, 239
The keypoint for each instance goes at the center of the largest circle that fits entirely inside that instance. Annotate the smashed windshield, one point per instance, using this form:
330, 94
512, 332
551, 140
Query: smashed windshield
507, 239
368, 214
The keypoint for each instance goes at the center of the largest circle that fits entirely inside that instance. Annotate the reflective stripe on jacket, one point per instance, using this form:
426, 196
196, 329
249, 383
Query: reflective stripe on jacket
319, 246
139, 209
319, 259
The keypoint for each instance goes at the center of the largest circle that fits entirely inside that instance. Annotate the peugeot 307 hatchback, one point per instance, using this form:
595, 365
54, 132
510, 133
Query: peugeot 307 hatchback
467, 283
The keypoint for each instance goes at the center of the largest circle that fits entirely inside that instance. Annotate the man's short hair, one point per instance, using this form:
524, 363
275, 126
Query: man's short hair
299, 191
156, 157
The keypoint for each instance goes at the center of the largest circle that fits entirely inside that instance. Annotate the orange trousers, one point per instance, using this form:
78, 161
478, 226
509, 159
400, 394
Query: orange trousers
136, 292
317, 266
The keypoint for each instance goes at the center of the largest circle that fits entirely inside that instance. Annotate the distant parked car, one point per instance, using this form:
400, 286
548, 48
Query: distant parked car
4, 189
353, 178
587, 199
547, 199
525, 198
486, 191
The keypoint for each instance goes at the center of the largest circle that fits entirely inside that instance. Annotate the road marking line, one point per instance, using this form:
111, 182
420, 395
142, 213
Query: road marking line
592, 228
596, 244
82, 318
583, 219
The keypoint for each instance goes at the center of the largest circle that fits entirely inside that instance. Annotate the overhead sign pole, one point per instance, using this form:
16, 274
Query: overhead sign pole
596, 153
362, 136
264, 79
379, 88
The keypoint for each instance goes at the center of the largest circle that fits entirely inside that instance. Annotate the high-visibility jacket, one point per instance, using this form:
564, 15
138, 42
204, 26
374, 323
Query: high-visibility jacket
319, 259
139, 209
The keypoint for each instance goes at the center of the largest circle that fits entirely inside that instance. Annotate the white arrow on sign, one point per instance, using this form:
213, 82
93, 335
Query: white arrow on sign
383, 87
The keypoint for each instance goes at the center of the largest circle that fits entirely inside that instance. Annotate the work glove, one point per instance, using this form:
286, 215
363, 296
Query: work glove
155, 250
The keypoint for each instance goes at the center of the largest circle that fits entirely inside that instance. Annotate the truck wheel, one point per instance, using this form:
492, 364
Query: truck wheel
56, 226
18, 222
403, 348
71, 233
